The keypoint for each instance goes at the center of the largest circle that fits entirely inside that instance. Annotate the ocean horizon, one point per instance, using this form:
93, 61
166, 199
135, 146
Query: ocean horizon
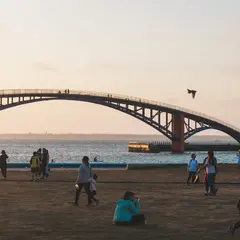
111, 136
112, 148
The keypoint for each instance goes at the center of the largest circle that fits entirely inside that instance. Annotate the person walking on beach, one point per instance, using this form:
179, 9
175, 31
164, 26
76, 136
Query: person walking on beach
210, 166
3, 163
84, 174
192, 168
93, 188
35, 163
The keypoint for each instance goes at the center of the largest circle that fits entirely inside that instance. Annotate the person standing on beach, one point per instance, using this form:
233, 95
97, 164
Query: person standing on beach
34, 162
192, 168
3, 163
44, 163
210, 166
84, 174
238, 156
47, 169
39, 154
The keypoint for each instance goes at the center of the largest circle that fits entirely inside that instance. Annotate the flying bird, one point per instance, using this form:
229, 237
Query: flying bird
193, 92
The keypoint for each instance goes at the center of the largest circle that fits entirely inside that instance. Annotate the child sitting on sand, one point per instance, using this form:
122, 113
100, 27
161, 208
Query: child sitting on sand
93, 188
127, 211
236, 225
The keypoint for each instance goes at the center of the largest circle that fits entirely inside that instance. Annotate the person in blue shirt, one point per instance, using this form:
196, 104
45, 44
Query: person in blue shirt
192, 168
238, 156
127, 211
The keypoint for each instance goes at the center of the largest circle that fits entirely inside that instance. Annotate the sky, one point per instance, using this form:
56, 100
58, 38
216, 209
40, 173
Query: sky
153, 49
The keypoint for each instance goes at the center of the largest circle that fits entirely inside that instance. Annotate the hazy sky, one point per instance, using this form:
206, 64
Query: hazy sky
149, 48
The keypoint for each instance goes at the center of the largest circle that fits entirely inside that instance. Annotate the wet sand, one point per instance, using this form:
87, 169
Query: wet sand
43, 210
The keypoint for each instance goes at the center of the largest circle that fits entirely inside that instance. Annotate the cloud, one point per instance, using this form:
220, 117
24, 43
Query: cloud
42, 66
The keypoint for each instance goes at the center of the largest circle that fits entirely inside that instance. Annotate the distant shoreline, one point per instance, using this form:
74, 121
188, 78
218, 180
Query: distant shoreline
129, 137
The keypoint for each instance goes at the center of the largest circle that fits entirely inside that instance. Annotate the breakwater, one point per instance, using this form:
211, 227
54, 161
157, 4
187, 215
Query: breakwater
157, 147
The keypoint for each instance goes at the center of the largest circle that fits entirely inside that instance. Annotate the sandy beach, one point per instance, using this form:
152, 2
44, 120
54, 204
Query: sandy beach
43, 210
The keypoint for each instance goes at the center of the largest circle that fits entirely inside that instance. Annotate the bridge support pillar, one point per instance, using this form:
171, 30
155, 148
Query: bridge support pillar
178, 133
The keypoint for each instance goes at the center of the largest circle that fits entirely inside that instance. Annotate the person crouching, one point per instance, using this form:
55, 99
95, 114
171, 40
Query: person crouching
93, 188
35, 164
127, 211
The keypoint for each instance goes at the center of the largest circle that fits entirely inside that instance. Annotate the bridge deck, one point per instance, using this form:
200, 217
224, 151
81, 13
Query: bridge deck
55, 92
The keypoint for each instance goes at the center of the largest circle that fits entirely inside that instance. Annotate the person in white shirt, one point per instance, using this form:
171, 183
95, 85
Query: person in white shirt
93, 188
210, 166
192, 168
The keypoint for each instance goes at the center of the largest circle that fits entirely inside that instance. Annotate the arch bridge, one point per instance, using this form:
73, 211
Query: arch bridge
177, 124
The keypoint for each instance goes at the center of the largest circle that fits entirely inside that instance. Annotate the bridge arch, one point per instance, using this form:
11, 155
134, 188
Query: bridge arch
130, 112
199, 130
135, 107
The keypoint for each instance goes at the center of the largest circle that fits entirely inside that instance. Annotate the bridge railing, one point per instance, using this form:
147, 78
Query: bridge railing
111, 95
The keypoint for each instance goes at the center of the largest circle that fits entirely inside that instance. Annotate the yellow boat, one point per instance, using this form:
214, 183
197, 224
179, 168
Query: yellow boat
138, 147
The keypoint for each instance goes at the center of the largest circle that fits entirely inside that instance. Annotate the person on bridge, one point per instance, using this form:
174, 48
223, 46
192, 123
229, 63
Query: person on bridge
192, 168
3, 163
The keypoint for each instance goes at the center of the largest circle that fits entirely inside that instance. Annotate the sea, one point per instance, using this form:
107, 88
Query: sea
107, 148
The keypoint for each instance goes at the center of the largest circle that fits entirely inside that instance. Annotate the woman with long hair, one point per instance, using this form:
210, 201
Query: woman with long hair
210, 167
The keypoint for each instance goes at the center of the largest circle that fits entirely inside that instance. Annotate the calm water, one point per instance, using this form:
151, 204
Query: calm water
108, 151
